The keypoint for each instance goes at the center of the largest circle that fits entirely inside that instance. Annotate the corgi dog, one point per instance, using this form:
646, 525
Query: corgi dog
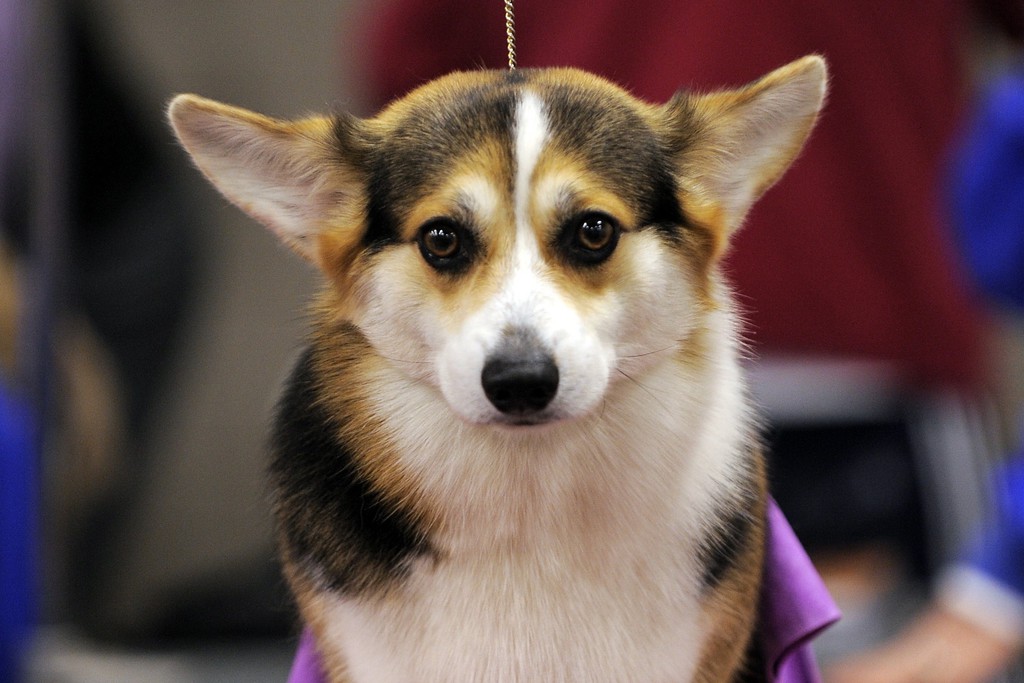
518, 446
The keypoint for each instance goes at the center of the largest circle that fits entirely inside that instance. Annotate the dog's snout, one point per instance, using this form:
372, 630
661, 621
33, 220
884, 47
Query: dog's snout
519, 382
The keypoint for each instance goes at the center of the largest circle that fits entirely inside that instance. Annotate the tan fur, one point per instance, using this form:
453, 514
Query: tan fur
729, 607
315, 618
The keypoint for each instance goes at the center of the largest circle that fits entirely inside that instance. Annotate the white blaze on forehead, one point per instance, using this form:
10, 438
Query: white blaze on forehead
531, 133
524, 288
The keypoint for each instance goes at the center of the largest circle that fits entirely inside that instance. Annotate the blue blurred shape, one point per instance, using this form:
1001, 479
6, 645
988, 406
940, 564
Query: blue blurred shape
18, 489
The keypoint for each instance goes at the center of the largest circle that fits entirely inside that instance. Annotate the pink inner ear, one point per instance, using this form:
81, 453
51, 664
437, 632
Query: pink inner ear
269, 169
758, 132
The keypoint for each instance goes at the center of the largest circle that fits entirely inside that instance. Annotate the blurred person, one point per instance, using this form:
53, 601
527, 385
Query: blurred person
17, 426
118, 280
17, 493
129, 277
974, 627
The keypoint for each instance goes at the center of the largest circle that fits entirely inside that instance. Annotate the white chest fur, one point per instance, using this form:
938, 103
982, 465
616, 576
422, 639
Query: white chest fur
525, 621
569, 557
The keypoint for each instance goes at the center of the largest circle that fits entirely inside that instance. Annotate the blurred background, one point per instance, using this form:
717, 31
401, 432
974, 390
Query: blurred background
155, 324
146, 325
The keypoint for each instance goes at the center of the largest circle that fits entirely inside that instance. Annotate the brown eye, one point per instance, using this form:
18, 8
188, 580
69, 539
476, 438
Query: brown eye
441, 242
444, 245
590, 238
595, 232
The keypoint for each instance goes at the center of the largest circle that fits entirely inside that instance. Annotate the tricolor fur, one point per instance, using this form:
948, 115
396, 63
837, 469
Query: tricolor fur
518, 447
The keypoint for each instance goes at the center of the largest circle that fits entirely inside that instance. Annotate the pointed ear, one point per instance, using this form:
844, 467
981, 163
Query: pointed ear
733, 145
290, 176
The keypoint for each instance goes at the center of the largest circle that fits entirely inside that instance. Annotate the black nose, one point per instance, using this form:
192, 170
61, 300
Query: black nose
520, 384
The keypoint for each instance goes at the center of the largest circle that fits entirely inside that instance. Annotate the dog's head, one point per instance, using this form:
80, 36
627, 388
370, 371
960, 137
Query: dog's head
520, 240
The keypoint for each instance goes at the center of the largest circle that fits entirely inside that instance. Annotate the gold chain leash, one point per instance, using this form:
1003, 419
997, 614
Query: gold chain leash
510, 34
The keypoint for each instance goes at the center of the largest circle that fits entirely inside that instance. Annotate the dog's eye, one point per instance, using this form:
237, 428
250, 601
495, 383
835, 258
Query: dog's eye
591, 238
444, 245
440, 242
595, 233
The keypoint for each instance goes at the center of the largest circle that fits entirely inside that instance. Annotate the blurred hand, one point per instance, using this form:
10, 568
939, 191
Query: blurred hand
939, 647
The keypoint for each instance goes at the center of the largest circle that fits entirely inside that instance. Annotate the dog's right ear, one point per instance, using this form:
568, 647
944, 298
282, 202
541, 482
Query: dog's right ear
290, 176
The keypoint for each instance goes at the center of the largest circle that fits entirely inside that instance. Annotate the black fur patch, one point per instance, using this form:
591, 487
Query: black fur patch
663, 209
754, 669
327, 511
732, 538
381, 222
720, 550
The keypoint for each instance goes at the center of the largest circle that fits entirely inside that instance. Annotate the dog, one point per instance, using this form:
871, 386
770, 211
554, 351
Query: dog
519, 446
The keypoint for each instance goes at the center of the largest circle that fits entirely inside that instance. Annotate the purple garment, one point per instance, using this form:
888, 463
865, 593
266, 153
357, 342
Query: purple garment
795, 607
306, 667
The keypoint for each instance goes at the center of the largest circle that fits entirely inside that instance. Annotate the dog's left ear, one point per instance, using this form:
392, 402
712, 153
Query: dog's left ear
734, 144
289, 175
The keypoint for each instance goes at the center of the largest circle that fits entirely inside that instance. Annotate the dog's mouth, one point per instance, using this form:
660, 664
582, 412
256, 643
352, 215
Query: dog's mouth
522, 422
